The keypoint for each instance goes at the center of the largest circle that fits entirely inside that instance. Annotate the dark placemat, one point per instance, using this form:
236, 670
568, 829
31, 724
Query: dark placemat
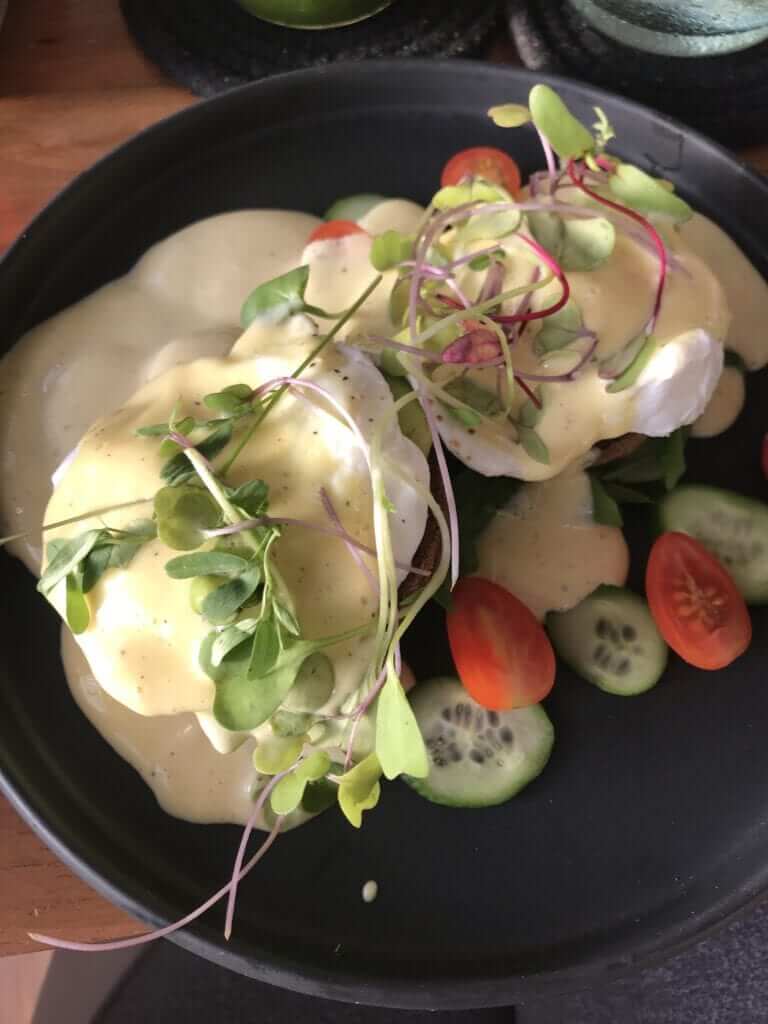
168, 984
210, 47
722, 980
725, 97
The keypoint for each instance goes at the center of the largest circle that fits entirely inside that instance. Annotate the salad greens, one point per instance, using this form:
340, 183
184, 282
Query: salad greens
642, 477
79, 564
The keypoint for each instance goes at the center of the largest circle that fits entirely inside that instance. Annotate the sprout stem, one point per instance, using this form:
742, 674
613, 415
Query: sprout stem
658, 242
300, 369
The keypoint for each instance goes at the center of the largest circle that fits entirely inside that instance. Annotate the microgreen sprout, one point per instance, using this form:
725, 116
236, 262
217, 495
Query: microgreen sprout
352, 547
578, 180
277, 395
169, 929
78, 564
92, 514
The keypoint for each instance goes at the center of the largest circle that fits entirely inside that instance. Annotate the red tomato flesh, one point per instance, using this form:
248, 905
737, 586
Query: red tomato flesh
482, 162
501, 652
695, 603
334, 229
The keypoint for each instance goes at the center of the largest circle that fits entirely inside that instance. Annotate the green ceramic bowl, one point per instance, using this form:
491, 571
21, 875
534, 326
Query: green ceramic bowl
313, 13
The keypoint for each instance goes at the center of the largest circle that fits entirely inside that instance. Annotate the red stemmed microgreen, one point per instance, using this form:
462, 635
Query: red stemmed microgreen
477, 345
337, 530
493, 283
524, 316
169, 929
352, 546
658, 243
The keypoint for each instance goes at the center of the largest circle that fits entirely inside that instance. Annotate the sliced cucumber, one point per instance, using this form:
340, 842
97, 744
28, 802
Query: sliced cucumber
353, 207
611, 640
478, 758
732, 527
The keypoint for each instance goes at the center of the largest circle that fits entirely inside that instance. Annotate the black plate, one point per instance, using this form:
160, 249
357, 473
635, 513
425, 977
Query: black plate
650, 824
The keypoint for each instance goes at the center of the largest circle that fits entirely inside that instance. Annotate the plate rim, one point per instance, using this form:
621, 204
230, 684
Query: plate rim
346, 983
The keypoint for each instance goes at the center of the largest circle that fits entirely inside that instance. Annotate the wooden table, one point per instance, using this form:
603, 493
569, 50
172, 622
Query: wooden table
72, 87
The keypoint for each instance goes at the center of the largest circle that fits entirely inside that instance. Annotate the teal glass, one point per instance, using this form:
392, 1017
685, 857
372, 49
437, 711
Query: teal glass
313, 13
679, 28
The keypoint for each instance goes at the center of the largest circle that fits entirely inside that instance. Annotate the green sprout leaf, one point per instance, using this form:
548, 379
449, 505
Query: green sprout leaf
475, 191
491, 225
179, 470
576, 243
276, 300
286, 618
629, 376
399, 743
411, 418
483, 262
509, 115
605, 510
101, 550
558, 329
65, 558
530, 413
78, 615
479, 226
319, 796
290, 723
206, 563
314, 684
277, 753
532, 444
223, 603
230, 638
672, 456
289, 792
603, 129
586, 244
183, 514
614, 365
466, 417
567, 136
548, 229
479, 399
251, 498
359, 789
390, 250
184, 426
265, 649
646, 194
399, 298
234, 400
135, 534
94, 565
241, 704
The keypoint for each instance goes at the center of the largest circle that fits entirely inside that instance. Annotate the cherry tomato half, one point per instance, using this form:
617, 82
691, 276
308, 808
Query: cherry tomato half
501, 652
695, 603
333, 229
482, 162
764, 457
